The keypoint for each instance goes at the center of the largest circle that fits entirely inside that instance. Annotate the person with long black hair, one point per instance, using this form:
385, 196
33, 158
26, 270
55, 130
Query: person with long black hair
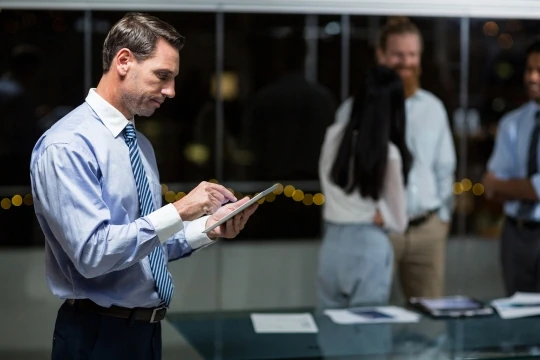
363, 169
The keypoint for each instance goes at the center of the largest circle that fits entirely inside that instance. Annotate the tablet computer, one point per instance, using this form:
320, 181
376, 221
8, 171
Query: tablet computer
451, 306
242, 208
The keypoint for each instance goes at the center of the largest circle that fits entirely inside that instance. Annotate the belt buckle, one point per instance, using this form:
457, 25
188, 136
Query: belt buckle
154, 312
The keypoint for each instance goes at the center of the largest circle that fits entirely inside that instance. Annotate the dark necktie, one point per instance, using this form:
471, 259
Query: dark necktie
526, 207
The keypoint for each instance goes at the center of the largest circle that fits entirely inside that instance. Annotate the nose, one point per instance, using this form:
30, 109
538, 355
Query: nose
168, 90
408, 61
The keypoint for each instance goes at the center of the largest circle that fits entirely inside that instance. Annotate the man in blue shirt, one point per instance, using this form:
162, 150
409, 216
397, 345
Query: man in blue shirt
98, 200
514, 179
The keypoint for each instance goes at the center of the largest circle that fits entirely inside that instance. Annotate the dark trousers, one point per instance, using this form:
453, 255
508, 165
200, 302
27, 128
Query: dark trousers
80, 334
520, 258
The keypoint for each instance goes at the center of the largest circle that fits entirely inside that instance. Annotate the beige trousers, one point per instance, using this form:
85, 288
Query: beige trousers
419, 258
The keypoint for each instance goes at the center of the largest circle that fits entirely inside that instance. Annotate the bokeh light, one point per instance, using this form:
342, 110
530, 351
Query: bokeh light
16, 200
298, 195
289, 190
170, 196
308, 199
318, 199
478, 189
28, 199
271, 197
466, 184
457, 188
5, 204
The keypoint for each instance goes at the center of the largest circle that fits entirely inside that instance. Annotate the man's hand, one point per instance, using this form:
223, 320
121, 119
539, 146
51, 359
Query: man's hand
205, 199
232, 227
508, 190
489, 181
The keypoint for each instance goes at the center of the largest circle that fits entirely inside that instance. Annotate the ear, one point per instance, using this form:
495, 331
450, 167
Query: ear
123, 60
380, 56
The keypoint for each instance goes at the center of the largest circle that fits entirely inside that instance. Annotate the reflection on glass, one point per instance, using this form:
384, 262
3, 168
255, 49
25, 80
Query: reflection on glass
41, 79
37, 82
275, 127
274, 117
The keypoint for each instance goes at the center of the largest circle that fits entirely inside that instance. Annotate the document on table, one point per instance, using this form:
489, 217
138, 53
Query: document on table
372, 315
283, 323
518, 305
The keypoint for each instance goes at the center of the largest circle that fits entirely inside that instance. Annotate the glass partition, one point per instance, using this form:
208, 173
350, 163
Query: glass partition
41, 80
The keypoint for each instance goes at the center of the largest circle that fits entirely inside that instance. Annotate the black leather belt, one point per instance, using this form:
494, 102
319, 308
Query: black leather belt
524, 224
151, 315
422, 219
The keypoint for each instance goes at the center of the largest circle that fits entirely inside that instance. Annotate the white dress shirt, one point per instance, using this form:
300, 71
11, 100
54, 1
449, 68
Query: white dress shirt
342, 208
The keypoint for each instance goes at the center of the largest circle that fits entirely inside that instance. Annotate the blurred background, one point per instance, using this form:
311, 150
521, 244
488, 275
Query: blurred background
228, 124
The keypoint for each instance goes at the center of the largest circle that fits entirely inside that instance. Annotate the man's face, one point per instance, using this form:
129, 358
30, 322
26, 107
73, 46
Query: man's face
532, 76
403, 53
150, 81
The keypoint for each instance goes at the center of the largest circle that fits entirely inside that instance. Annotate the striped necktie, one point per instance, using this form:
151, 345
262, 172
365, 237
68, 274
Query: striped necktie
158, 263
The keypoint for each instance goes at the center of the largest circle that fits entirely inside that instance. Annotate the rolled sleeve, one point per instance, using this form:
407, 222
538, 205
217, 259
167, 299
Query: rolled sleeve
501, 161
445, 213
194, 233
166, 222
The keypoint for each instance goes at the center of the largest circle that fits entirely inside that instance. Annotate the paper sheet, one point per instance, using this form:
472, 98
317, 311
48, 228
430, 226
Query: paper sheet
518, 305
283, 323
372, 315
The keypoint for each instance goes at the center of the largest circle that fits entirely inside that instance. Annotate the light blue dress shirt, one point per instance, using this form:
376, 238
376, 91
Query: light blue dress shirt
431, 144
86, 202
511, 152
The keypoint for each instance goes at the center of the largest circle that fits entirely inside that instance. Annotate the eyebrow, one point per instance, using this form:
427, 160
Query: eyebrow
168, 72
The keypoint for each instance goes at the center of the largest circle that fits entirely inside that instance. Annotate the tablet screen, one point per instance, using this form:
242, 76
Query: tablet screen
451, 303
242, 208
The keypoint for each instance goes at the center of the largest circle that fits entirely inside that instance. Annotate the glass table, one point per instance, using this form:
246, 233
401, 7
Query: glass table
230, 335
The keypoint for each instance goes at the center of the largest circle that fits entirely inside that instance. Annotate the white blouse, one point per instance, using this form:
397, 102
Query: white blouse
343, 208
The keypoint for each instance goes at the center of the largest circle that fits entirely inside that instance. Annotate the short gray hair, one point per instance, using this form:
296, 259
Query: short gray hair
139, 33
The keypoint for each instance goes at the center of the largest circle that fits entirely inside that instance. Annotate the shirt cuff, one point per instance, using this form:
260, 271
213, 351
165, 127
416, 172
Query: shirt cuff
445, 213
535, 181
166, 222
194, 233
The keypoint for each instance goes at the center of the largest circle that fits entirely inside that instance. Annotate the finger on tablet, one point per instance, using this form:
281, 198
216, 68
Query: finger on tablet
226, 193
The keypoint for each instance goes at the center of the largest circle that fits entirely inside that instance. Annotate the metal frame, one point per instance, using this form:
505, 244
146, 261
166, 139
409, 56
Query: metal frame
463, 104
220, 126
87, 50
312, 39
345, 56
522, 9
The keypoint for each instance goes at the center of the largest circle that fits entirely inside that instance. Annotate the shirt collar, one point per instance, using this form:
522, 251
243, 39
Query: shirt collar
534, 106
416, 96
109, 115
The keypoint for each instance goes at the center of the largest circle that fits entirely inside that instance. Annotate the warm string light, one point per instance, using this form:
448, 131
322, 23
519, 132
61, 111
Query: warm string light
465, 185
289, 191
16, 201
171, 196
